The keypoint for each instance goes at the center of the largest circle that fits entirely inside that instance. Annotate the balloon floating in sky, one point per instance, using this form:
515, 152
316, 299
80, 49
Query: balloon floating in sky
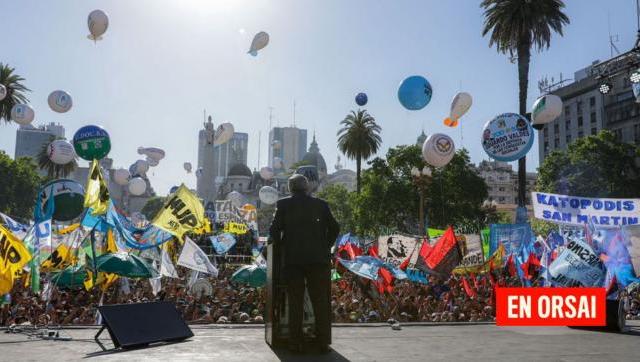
22, 114
140, 167
3, 92
415, 92
266, 173
60, 152
121, 176
361, 99
438, 149
545, 109
91, 143
268, 195
187, 166
152, 161
507, 137
137, 186
60, 101
98, 22
459, 106
223, 134
260, 41
173, 189
236, 198
152, 152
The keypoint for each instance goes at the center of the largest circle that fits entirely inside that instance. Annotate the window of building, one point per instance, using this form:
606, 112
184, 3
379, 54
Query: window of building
546, 146
594, 130
556, 142
619, 134
545, 132
501, 189
593, 117
579, 107
556, 129
501, 199
567, 124
580, 121
636, 133
580, 134
592, 102
567, 112
568, 139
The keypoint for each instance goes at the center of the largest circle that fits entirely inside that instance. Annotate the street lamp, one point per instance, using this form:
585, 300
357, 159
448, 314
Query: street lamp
421, 179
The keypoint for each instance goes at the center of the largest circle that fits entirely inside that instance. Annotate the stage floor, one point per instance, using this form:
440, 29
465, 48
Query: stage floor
350, 343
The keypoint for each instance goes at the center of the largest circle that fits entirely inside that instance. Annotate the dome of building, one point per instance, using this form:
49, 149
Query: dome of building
314, 158
240, 170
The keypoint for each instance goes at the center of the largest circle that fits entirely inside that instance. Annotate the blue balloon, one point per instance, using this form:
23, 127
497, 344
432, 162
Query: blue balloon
361, 99
415, 93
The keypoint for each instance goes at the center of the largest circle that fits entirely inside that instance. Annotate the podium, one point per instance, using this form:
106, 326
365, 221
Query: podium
276, 317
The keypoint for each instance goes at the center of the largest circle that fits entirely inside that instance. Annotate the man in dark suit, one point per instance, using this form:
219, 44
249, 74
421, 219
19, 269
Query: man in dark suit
306, 230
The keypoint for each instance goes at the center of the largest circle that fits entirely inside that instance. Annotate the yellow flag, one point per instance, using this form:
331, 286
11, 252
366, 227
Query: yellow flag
58, 260
13, 254
103, 279
111, 242
6, 282
182, 212
69, 229
495, 260
96, 194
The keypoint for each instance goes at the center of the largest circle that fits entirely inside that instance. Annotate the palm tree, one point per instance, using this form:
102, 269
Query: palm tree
15, 91
516, 26
54, 171
359, 138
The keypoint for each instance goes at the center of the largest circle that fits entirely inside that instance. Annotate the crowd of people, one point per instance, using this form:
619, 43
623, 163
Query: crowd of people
353, 300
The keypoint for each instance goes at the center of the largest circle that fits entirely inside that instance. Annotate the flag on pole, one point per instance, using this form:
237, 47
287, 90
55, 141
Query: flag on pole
96, 194
194, 258
182, 212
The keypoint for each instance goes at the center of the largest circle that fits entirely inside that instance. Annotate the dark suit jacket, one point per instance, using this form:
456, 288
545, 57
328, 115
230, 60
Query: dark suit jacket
305, 228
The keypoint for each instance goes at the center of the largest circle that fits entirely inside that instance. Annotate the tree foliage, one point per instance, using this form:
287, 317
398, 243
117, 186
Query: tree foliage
389, 199
593, 166
339, 200
359, 138
15, 91
19, 184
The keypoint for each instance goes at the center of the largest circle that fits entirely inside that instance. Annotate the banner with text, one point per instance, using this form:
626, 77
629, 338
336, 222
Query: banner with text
575, 210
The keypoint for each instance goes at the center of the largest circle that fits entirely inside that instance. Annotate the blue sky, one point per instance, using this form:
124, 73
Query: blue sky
162, 63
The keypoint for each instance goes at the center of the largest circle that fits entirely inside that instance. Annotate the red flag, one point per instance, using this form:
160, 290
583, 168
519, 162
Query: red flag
373, 251
445, 255
405, 263
475, 280
530, 267
511, 266
349, 249
470, 292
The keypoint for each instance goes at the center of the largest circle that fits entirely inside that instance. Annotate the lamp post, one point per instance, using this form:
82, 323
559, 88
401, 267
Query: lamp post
421, 179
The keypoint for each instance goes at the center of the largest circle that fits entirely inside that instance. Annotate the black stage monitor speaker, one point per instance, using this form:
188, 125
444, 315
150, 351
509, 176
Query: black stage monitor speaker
137, 325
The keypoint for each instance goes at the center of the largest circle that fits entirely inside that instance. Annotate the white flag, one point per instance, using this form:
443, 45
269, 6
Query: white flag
156, 285
166, 266
43, 234
194, 258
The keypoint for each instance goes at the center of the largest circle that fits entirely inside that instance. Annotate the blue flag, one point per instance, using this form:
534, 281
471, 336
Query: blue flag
364, 266
137, 238
222, 243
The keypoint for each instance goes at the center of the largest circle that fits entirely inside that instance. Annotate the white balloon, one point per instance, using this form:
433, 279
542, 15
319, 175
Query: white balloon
223, 134
268, 195
152, 162
260, 41
459, 106
98, 22
438, 149
137, 186
187, 167
236, 198
266, 173
60, 101
140, 167
546, 109
152, 152
22, 114
3, 92
121, 176
61, 152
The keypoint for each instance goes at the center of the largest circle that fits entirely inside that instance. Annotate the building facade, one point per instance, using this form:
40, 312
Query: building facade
30, 139
587, 111
287, 146
502, 182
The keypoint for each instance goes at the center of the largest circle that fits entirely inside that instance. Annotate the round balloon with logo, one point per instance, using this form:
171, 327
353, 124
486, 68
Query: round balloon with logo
507, 137
68, 198
268, 195
92, 143
438, 149
60, 101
